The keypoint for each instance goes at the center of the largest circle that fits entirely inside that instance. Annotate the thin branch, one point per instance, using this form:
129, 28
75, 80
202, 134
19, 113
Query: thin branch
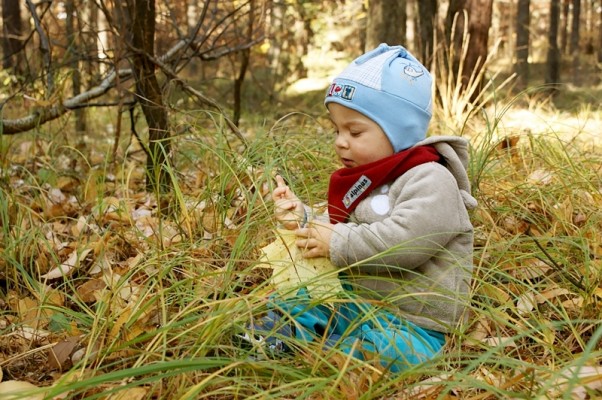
103, 104
192, 35
44, 45
230, 50
43, 115
135, 133
559, 268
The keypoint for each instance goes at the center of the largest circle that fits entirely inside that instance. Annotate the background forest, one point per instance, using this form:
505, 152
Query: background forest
139, 142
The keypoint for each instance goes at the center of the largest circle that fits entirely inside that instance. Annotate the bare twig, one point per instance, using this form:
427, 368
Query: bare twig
44, 46
103, 104
42, 115
559, 268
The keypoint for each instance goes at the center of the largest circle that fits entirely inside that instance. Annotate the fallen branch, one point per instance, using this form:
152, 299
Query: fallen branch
45, 114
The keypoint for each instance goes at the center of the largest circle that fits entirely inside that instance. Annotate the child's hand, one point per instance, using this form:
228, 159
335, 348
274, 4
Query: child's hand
287, 206
315, 239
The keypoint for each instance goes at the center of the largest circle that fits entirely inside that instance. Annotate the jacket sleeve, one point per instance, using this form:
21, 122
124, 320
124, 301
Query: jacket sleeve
425, 216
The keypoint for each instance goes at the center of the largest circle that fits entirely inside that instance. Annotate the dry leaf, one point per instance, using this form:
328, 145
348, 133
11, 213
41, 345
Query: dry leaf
29, 333
508, 143
28, 310
427, 388
573, 304
67, 183
120, 323
90, 290
551, 293
495, 293
68, 266
13, 390
540, 177
500, 341
291, 270
579, 380
526, 303
481, 330
136, 393
79, 228
530, 268
59, 356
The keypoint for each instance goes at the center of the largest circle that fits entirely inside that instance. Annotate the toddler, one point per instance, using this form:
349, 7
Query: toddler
397, 222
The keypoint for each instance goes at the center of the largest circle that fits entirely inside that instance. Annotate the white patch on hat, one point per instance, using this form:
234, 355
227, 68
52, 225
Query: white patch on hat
413, 72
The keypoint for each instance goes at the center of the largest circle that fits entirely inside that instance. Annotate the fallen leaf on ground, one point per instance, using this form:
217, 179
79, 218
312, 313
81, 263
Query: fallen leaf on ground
90, 291
68, 266
59, 356
579, 381
30, 333
136, 393
506, 341
21, 390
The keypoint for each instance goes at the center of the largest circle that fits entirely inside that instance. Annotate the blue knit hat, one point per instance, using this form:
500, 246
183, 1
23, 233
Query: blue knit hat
392, 88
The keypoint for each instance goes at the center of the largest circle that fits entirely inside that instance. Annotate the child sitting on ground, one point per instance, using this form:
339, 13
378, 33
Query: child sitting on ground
398, 223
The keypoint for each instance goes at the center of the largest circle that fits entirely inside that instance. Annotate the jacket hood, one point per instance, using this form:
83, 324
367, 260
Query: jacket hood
454, 150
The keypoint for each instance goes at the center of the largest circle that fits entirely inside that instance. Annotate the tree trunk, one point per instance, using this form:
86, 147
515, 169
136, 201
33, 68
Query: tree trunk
149, 93
427, 14
479, 14
72, 50
553, 59
522, 44
479, 21
302, 38
574, 45
564, 26
277, 65
386, 23
600, 36
91, 17
12, 27
455, 7
575, 28
245, 57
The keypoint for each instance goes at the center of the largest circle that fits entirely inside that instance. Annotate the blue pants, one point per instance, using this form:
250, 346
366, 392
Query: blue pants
358, 328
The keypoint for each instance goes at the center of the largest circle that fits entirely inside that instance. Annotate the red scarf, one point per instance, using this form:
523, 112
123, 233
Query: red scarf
349, 186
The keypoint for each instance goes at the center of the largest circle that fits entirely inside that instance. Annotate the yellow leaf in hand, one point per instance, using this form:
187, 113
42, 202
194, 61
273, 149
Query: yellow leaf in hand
291, 271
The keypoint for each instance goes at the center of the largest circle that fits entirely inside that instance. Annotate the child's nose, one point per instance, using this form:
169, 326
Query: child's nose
340, 141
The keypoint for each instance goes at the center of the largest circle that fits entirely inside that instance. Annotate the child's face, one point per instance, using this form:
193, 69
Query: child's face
359, 140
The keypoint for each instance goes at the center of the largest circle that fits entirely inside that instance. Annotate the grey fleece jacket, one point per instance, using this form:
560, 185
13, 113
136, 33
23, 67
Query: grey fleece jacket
411, 241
